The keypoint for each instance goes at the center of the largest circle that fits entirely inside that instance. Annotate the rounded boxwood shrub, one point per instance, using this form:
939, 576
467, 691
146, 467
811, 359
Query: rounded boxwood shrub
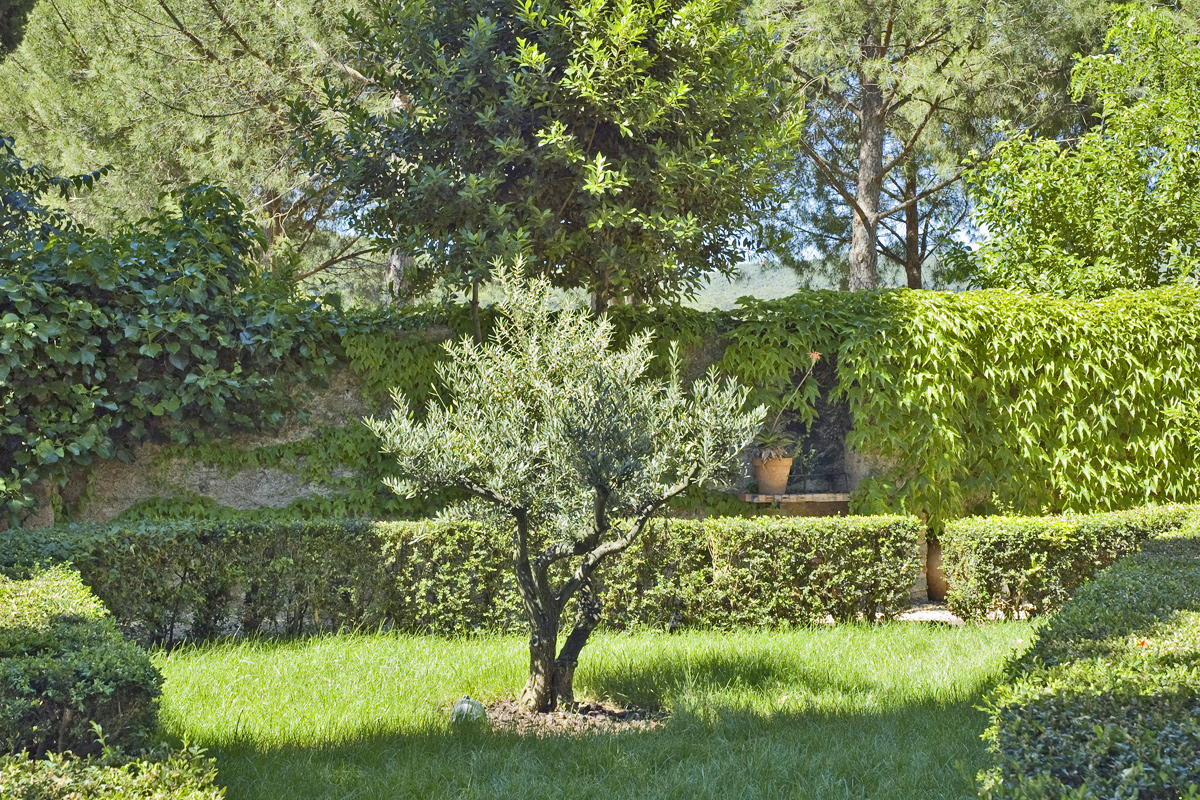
64, 667
1106, 704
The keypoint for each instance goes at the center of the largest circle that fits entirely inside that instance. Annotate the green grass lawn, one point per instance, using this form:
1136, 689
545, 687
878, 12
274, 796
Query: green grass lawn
841, 712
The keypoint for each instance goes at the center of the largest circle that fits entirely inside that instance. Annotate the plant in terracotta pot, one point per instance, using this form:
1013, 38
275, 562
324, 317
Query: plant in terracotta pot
773, 461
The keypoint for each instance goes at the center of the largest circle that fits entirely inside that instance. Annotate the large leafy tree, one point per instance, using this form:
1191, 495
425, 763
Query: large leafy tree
176, 92
897, 93
1118, 207
567, 442
623, 147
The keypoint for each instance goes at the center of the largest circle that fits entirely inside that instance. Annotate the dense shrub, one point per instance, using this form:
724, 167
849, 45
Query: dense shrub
168, 581
164, 327
1107, 702
187, 775
64, 667
734, 571
1033, 564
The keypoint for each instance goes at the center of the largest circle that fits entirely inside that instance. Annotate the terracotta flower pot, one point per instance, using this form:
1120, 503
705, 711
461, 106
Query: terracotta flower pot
772, 475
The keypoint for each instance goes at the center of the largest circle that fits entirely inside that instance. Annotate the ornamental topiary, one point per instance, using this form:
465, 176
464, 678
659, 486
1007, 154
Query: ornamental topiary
64, 668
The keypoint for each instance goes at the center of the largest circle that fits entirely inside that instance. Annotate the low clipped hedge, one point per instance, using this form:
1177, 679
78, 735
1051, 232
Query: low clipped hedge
174, 580
1014, 565
186, 775
64, 667
1107, 701
731, 571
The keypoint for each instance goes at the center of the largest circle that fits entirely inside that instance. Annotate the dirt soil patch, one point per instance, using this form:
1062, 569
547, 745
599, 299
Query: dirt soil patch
590, 716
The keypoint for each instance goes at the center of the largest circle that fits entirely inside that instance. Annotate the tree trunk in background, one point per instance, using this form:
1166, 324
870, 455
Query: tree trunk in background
864, 235
273, 229
600, 294
396, 285
912, 229
475, 312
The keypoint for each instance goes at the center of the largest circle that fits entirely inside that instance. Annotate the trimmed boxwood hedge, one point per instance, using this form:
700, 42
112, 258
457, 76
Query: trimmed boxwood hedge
173, 580
65, 667
1013, 565
1107, 701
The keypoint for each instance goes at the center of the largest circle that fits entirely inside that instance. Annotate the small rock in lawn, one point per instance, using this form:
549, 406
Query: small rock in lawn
468, 710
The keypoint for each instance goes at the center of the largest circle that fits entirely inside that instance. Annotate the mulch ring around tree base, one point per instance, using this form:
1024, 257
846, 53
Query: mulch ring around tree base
590, 716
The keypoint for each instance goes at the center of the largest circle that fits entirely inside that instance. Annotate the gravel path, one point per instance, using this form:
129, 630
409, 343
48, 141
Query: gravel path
930, 612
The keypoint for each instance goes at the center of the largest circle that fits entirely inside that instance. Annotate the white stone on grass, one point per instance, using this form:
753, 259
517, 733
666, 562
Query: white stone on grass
468, 710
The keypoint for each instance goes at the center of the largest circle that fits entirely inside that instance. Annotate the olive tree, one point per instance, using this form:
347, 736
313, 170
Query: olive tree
553, 432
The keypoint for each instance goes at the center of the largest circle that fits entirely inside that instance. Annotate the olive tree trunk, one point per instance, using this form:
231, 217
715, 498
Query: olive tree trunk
551, 681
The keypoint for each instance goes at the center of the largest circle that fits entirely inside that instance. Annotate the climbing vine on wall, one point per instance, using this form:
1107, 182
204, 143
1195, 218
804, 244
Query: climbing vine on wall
986, 399
164, 329
970, 401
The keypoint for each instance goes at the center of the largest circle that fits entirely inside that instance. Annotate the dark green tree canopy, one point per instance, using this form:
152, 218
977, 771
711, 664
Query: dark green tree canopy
620, 147
13, 14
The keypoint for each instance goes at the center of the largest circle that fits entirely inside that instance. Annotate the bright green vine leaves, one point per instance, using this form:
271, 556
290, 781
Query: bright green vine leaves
976, 401
993, 398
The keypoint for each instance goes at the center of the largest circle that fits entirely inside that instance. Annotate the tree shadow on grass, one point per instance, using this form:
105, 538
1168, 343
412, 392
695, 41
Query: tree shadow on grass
650, 685
919, 752
709, 748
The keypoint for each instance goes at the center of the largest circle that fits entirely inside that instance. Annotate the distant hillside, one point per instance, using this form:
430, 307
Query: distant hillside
757, 280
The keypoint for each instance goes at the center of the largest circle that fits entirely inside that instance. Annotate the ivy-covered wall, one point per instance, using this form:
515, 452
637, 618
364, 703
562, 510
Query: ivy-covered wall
943, 404
995, 401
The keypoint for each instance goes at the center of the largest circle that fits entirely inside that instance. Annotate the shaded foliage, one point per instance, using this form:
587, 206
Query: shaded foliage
621, 148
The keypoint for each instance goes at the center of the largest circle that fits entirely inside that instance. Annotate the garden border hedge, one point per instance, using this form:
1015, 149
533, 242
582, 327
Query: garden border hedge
1010, 565
1107, 701
168, 581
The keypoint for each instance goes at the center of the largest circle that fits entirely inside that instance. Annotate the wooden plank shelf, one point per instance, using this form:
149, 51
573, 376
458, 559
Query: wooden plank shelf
815, 497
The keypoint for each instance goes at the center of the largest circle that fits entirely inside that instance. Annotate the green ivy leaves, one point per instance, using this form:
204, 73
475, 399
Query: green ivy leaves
166, 326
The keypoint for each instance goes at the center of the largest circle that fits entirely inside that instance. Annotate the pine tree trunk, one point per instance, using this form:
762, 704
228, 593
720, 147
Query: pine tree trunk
864, 235
912, 229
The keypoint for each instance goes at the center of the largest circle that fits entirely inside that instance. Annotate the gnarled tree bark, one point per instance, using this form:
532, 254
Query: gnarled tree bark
551, 680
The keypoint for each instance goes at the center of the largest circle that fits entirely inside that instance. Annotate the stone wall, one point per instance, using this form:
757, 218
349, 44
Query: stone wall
109, 488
